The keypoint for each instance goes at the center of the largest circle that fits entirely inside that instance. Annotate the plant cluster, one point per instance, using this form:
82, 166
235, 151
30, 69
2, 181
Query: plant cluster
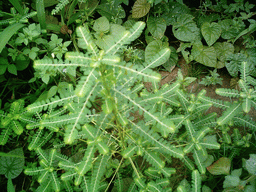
91, 124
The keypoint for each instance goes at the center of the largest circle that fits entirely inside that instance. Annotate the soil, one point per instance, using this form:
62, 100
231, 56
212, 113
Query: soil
195, 87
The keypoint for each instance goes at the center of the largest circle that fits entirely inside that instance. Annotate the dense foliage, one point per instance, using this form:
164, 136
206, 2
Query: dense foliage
75, 114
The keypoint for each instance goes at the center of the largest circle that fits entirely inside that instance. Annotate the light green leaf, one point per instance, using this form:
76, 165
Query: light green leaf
152, 48
211, 32
12, 166
229, 114
251, 164
205, 55
156, 26
46, 78
52, 91
140, 8
231, 181
222, 166
185, 29
8, 33
10, 186
101, 25
12, 69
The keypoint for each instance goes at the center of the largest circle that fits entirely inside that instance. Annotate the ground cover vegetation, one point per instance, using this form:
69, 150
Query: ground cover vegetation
75, 111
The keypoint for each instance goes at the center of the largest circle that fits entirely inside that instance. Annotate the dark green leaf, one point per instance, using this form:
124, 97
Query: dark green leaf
8, 33
156, 26
211, 32
140, 8
185, 29
12, 166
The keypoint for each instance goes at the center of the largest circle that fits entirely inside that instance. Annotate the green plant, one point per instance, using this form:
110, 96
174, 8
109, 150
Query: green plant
233, 179
100, 121
109, 129
214, 79
11, 165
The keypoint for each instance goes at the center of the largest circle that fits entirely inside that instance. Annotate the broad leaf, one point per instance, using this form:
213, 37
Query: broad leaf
156, 26
233, 63
185, 29
11, 166
12, 69
101, 25
205, 55
251, 164
211, 32
222, 166
223, 50
154, 47
172, 61
140, 8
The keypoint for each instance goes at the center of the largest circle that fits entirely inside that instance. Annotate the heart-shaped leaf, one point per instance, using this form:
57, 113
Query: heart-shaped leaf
222, 166
140, 8
185, 29
211, 32
156, 26
205, 55
11, 165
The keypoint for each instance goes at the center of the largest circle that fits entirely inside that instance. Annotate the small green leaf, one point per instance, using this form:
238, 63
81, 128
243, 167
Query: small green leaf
211, 32
12, 69
52, 91
233, 180
156, 26
21, 62
222, 166
46, 78
101, 25
246, 105
140, 8
108, 106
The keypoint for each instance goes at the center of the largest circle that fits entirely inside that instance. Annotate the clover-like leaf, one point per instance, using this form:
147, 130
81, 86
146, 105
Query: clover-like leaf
140, 8
211, 32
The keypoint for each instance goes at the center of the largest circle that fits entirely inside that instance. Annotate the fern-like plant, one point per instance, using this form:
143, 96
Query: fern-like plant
115, 121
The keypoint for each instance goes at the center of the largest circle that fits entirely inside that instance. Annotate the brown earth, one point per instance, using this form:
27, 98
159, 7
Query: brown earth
195, 87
